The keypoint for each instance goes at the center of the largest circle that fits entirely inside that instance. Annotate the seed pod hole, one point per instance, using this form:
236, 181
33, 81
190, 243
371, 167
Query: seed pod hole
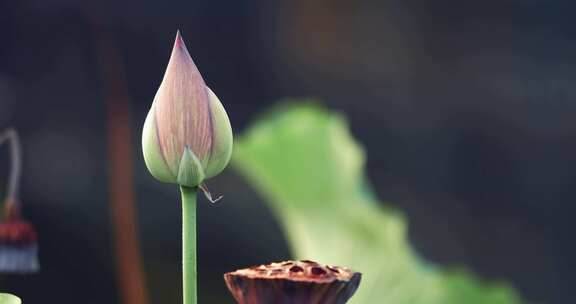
318, 271
296, 269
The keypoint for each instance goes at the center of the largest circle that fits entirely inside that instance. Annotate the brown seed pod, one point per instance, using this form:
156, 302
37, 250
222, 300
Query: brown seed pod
293, 282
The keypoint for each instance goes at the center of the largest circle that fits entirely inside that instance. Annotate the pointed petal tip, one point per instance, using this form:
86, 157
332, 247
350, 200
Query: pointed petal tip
178, 42
180, 48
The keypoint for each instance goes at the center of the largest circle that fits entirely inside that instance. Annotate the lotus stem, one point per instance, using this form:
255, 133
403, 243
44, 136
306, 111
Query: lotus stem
189, 270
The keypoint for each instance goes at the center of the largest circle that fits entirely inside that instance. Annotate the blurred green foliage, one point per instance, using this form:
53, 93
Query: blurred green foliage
303, 160
6, 298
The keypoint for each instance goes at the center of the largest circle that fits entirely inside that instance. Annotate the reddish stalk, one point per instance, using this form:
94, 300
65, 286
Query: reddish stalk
121, 182
12, 200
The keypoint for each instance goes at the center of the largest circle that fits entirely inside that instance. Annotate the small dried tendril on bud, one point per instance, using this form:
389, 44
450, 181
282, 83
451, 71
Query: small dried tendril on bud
208, 195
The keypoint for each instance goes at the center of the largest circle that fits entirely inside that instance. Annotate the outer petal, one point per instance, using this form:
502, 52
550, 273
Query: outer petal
181, 109
155, 162
221, 149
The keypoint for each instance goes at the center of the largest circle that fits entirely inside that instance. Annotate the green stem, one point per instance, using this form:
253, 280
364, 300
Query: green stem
189, 244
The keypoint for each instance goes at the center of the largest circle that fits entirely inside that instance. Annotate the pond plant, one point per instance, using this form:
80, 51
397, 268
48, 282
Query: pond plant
187, 139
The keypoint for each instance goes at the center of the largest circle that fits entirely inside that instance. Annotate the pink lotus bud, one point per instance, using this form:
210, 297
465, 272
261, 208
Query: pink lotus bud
187, 136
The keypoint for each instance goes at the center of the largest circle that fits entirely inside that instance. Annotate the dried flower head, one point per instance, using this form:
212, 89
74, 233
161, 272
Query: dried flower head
293, 282
187, 136
18, 238
18, 247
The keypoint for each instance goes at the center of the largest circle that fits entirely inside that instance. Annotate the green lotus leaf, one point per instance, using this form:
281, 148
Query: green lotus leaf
309, 169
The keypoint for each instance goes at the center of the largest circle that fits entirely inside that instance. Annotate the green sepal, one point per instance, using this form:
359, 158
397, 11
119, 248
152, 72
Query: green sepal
190, 173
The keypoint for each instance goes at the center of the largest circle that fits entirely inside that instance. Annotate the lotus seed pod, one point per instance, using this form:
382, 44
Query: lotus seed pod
187, 136
293, 282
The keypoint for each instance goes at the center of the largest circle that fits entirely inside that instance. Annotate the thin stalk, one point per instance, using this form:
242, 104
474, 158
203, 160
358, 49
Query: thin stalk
12, 207
189, 270
129, 269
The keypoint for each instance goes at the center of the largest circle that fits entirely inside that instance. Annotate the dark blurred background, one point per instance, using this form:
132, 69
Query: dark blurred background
466, 110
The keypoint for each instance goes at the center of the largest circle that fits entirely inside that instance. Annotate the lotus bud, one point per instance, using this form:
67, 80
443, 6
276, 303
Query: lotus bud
187, 137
